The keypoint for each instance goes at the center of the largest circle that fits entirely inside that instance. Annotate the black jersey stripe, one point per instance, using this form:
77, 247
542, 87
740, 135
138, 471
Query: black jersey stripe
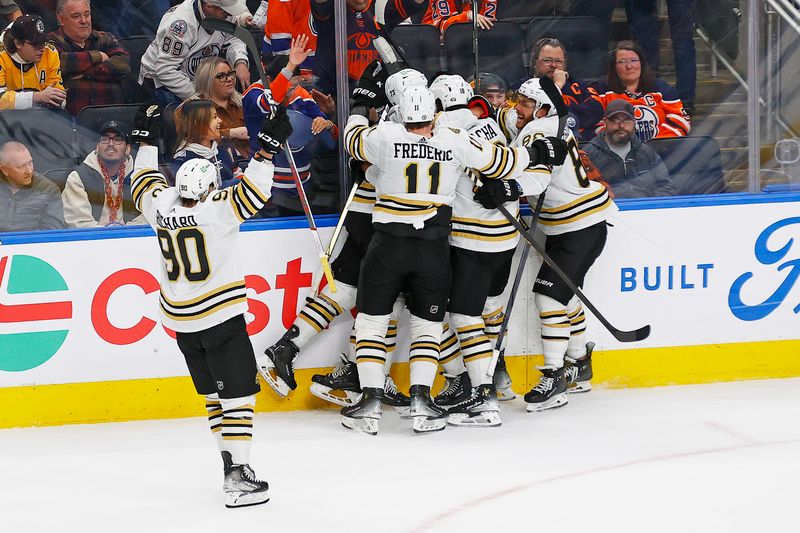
235, 286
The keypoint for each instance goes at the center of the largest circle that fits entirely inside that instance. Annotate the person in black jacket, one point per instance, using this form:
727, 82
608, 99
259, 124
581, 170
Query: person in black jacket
631, 168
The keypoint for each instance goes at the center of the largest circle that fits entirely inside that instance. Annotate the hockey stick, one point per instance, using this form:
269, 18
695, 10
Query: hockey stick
621, 335
475, 44
224, 26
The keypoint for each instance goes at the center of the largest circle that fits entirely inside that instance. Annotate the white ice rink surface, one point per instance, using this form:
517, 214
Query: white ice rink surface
708, 458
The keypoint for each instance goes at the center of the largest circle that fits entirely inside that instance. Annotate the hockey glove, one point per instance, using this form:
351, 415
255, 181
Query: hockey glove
358, 171
147, 124
370, 91
494, 193
275, 131
548, 151
482, 104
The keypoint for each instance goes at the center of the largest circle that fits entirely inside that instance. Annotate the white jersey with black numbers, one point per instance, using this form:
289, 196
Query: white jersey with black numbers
180, 44
572, 200
417, 175
202, 283
475, 227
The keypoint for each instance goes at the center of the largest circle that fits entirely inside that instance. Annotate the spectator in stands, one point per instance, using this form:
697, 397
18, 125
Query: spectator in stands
215, 82
643, 19
92, 62
171, 60
9, 10
28, 201
363, 23
443, 13
657, 108
30, 74
549, 59
630, 168
288, 19
199, 128
493, 87
98, 191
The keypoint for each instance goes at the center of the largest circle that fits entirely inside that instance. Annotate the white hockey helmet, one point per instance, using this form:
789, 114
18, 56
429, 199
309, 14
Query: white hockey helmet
451, 90
194, 178
532, 89
417, 104
398, 82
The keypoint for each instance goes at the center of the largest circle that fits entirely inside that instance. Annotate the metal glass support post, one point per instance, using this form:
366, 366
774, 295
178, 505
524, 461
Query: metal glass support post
769, 82
753, 110
342, 93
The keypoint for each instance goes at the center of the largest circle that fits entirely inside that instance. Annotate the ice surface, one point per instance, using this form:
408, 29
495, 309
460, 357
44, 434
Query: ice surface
709, 458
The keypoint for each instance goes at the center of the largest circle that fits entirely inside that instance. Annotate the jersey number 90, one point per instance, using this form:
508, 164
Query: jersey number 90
177, 256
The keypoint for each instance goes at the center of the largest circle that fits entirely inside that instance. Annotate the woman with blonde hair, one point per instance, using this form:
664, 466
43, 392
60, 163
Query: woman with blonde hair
199, 129
215, 80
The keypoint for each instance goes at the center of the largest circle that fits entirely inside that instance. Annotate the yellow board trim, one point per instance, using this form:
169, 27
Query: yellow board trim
143, 399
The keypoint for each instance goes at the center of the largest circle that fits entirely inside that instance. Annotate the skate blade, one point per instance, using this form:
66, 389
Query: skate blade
267, 372
423, 424
580, 387
404, 412
505, 395
368, 426
346, 399
485, 419
553, 403
245, 499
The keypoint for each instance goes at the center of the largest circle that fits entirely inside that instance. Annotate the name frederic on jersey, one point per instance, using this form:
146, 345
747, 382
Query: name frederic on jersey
175, 222
421, 151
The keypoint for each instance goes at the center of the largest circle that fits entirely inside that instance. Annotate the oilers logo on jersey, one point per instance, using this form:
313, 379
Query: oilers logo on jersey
194, 60
646, 126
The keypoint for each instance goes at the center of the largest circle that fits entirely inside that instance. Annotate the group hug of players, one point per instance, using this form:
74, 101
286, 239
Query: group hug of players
424, 232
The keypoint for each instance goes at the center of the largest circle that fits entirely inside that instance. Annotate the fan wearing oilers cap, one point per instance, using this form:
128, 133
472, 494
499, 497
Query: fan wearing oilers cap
573, 217
30, 69
418, 167
170, 62
203, 297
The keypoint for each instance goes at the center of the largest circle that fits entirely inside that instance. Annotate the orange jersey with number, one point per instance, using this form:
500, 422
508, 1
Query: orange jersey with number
443, 13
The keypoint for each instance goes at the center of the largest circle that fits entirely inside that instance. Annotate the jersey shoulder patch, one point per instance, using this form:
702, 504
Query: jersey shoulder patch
51, 47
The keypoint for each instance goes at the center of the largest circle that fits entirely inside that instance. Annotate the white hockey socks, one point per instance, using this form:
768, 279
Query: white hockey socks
371, 349
475, 347
320, 311
214, 409
450, 352
424, 353
493, 316
237, 427
576, 348
555, 330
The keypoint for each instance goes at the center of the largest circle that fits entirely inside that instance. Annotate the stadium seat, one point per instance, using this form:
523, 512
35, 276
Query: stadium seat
501, 51
519, 9
48, 134
91, 119
584, 39
58, 176
136, 47
421, 46
694, 163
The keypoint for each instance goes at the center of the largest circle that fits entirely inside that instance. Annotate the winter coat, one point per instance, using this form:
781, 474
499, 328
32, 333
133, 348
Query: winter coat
32, 208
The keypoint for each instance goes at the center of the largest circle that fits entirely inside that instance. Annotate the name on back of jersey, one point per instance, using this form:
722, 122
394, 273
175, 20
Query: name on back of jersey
175, 221
421, 151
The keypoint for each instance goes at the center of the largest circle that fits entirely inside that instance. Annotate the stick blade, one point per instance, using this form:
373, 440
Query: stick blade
212, 24
631, 336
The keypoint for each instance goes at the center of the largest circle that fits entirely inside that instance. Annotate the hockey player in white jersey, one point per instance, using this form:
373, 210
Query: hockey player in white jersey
418, 169
171, 60
203, 297
573, 217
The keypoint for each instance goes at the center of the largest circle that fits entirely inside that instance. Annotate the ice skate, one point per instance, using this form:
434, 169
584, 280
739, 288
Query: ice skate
502, 381
394, 398
551, 391
340, 386
578, 372
364, 415
480, 410
277, 364
241, 487
456, 389
426, 415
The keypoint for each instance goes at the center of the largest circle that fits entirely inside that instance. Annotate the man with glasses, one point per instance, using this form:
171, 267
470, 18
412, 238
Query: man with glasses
549, 59
98, 191
630, 167
92, 62
30, 70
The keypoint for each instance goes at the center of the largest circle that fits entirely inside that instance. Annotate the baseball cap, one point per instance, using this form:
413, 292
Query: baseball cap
231, 7
619, 106
7, 7
489, 79
29, 28
116, 127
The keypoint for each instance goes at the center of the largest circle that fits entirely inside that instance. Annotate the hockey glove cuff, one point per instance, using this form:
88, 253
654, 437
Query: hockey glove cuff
358, 171
482, 104
494, 193
147, 124
548, 151
275, 131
